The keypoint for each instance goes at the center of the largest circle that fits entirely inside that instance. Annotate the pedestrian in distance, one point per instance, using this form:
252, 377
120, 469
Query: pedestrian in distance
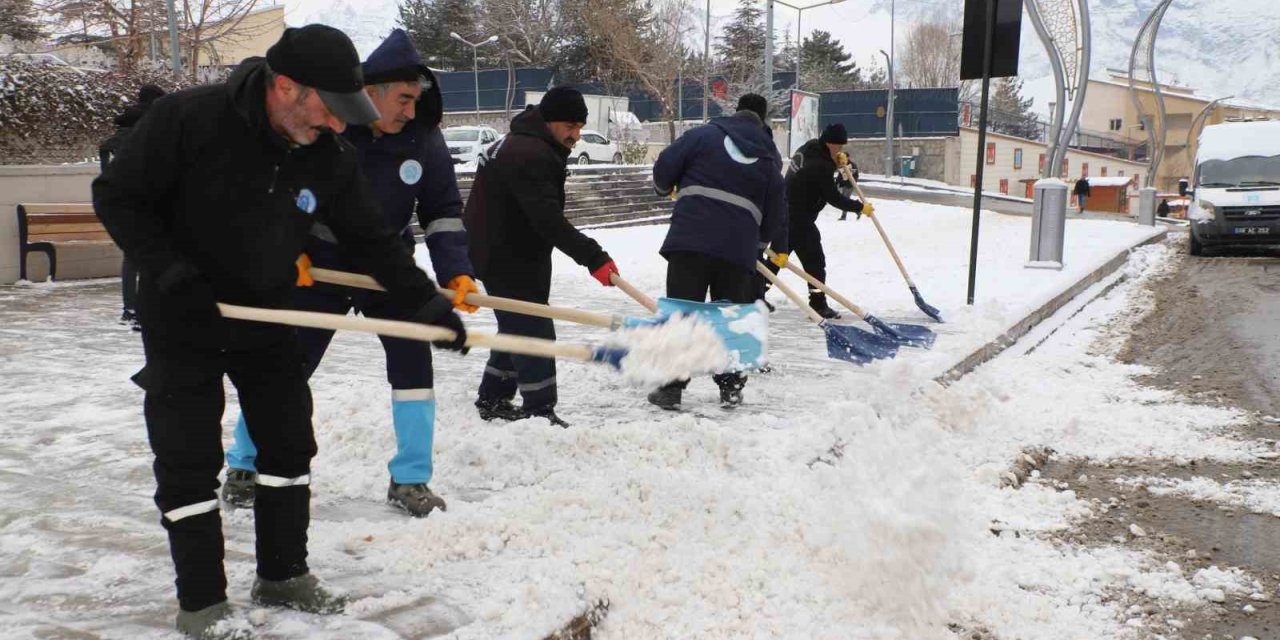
846, 175
730, 205
514, 218
811, 186
1082, 192
404, 156
147, 94
214, 195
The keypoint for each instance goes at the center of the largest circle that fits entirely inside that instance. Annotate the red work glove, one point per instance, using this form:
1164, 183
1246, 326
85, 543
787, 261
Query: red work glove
603, 273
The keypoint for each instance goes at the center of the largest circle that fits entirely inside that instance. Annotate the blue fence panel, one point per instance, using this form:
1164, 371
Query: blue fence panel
458, 88
917, 113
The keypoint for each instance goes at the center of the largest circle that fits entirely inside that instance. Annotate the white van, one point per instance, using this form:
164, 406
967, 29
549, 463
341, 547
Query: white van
1235, 191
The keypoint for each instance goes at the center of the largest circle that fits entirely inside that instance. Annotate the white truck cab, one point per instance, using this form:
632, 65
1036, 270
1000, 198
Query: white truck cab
1235, 190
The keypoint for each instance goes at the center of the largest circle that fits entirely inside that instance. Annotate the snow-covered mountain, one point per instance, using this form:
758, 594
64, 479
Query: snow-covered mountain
1219, 47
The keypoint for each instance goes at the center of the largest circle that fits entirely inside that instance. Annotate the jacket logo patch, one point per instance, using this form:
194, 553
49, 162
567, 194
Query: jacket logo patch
306, 201
736, 153
410, 171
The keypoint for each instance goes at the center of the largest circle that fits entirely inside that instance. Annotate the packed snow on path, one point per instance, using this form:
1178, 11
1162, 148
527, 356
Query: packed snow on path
839, 502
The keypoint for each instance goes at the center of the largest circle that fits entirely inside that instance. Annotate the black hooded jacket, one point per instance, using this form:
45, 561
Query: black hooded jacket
515, 212
811, 185
204, 185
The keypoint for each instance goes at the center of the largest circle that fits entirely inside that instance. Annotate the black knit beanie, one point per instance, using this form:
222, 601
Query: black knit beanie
755, 102
563, 104
835, 134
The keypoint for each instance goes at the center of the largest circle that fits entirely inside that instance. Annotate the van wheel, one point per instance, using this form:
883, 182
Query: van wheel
584, 159
617, 158
1193, 245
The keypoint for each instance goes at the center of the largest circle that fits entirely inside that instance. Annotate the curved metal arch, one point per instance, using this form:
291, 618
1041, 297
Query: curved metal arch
1064, 29
1145, 44
1197, 123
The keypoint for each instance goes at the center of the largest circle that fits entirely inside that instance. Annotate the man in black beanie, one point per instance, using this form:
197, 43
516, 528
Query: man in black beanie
214, 195
514, 218
811, 186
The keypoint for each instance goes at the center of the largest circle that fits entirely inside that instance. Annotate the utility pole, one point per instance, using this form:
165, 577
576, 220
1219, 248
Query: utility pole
175, 59
475, 63
706, 62
768, 49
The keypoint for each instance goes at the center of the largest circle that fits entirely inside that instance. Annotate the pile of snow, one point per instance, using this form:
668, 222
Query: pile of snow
678, 349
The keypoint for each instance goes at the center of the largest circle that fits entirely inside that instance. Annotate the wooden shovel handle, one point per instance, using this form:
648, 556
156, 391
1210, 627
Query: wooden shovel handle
407, 330
636, 294
857, 311
790, 293
884, 236
479, 299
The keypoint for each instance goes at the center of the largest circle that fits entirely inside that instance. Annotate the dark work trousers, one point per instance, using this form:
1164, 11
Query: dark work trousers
183, 408
505, 373
695, 276
129, 285
806, 244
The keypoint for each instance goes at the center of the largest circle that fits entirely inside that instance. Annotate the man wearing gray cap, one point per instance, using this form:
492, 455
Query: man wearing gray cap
213, 196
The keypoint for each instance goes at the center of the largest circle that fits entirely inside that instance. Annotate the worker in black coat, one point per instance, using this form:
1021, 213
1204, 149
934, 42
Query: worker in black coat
214, 195
811, 186
1082, 192
514, 218
124, 122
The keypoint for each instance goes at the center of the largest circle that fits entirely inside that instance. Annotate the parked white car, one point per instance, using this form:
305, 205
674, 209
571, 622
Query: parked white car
594, 147
467, 143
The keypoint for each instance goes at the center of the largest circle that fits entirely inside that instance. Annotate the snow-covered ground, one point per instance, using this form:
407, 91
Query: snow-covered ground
839, 502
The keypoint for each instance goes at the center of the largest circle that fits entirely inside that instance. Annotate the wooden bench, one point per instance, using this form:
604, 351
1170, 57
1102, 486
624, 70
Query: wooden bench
43, 226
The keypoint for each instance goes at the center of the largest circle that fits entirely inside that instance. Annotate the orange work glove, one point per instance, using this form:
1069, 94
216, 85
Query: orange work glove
304, 271
462, 285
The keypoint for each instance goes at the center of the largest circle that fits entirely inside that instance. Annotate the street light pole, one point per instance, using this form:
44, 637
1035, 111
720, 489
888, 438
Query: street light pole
768, 48
800, 15
475, 64
888, 120
706, 62
175, 59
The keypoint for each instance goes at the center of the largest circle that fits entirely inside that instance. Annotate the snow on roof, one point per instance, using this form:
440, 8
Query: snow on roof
1238, 139
1109, 181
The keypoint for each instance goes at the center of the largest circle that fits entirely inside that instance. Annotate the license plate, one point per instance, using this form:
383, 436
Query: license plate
1253, 231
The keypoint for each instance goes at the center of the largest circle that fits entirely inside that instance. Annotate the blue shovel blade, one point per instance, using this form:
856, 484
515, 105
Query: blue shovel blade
855, 345
911, 335
924, 306
611, 356
743, 328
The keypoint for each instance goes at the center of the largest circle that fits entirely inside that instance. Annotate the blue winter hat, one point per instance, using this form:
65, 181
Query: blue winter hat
395, 60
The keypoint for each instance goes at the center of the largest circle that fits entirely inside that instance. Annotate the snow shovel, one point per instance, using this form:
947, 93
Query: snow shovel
924, 306
741, 327
911, 335
850, 344
413, 331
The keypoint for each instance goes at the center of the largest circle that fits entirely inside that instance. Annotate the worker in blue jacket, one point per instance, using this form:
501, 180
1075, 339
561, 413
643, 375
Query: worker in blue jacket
404, 157
730, 205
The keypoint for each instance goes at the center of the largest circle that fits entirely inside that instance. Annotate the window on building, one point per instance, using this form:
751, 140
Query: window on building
973, 180
1103, 171
1116, 124
1084, 170
1042, 163
1017, 159
1066, 167
991, 153
1004, 186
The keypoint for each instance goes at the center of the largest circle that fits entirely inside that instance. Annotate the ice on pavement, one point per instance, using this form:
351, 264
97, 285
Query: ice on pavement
839, 502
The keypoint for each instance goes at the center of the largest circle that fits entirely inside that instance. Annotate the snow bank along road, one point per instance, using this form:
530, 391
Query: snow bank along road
838, 503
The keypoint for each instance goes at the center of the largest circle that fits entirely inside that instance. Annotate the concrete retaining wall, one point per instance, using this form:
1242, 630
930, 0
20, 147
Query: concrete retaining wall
44, 183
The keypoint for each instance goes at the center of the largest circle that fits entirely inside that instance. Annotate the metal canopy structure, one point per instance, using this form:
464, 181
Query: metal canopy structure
1142, 68
1063, 27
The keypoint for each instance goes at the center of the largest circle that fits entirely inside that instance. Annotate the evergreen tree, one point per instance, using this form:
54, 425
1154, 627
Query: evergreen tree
17, 20
826, 66
741, 45
1010, 112
428, 23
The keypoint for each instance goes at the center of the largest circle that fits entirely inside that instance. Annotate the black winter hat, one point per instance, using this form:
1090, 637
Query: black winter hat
835, 134
756, 103
323, 58
563, 104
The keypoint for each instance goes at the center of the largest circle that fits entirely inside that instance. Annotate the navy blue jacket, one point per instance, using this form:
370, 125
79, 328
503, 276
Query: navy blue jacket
409, 172
731, 200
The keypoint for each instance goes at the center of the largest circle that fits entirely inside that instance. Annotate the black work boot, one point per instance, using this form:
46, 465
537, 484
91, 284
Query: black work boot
417, 499
549, 413
819, 303
301, 593
731, 385
240, 488
500, 410
213, 622
667, 397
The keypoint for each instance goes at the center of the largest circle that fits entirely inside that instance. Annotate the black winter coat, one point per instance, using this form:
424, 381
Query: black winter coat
515, 212
204, 183
1082, 187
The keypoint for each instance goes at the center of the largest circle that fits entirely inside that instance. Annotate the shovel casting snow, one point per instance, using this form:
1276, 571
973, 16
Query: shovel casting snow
850, 344
912, 335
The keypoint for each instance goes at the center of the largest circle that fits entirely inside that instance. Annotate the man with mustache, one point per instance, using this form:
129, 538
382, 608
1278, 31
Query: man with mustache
515, 217
214, 195
404, 156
